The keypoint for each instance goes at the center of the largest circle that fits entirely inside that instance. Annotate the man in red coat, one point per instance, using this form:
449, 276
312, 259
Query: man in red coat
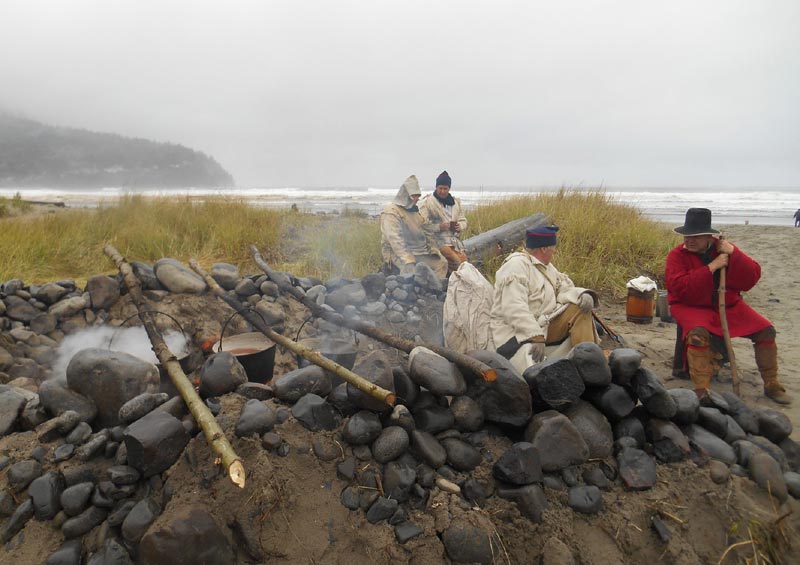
692, 279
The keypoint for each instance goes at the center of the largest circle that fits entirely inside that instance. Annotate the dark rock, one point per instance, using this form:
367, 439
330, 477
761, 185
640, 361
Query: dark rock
11, 406
155, 442
474, 492
84, 522
507, 400
352, 293
350, 498
94, 445
767, 474
613, 401
146, 276
653, 395
325, 449
103, 291
591, 364
585, 499
256, 418
123, 475
80, 434
401, 416
112, 553
70, 310
110, 379
636, 469
519, 465
398, 480
68, 554
381, 509
770, 448
792, 451
374, 285
434, 419
747, 419
316, 414
140, 405
530, 500
630, 427
271, 441
291, 386
7, 504
78, 474
33, 414
245, 288
715, 447
461, 455
555, 384
58, 399
669, 443
50, 293
405, 389
20, 310
718, 471
427, 448
624, 363
594, 428
687, 406
735, 431
362, 428
467, 413
792, 481
346, 469
22, 473
466, 543
715, 400
339, 399
390, 444
375, 368
435, 373
17, 521
226, 275
558, 441
595, 476
220, 374
773, 425
714, 421
45, 493
75, 499
186, 534
255, 391
405, 531
141, 516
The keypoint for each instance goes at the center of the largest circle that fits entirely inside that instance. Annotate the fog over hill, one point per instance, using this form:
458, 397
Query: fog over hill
33, 154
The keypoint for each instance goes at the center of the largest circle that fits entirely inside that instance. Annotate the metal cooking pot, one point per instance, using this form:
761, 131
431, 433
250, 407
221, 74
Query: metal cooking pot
339, 351
254, 351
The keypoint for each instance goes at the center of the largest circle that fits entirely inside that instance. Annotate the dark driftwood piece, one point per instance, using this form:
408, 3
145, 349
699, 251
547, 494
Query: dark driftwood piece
470, 364
214, 435
345, 374
502, 239
726, 334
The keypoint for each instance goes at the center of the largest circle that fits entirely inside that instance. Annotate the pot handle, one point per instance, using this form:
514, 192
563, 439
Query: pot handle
225, 325
138, 314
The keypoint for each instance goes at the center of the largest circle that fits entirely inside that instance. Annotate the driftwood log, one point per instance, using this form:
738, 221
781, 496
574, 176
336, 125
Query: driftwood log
202, 415
502, 239
464, 362
248, 314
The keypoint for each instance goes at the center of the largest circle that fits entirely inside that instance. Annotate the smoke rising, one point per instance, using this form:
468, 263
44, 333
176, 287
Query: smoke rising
133, 341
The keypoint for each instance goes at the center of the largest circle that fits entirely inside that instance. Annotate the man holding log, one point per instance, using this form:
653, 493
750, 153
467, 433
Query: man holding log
535, 306
693, 273
405, 241
446, 220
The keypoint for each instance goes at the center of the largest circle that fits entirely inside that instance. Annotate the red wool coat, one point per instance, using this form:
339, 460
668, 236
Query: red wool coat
693, 300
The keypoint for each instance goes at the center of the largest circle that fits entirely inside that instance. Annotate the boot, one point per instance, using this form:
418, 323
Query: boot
767, 363
699, 359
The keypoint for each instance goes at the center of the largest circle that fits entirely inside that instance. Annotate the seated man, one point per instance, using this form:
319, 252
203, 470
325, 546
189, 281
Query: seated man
536, 306
404, 239
692, 280
446, 220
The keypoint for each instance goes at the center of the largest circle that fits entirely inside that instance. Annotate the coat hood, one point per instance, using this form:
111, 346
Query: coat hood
409, 188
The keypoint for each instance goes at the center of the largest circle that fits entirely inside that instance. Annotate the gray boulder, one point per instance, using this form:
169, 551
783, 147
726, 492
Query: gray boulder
103, 291
186, 534
507, 400
177, 278
435, 373
594, 428
591, 364
155, 442
291, 386
375, 368
558, 441
226, 275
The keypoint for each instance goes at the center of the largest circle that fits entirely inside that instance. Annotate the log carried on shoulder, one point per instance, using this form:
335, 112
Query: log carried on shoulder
214, 435
502, 239
464, 362
345, 374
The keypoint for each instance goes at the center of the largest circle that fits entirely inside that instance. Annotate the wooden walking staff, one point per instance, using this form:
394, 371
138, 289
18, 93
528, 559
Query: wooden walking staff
345, 374
214, 435
465, 362
726, 334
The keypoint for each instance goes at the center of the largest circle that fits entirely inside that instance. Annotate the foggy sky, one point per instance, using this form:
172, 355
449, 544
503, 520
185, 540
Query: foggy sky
354, 93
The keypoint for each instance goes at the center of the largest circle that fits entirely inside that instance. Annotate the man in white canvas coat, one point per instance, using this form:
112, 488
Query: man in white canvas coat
446, 221
404, 238
535, 306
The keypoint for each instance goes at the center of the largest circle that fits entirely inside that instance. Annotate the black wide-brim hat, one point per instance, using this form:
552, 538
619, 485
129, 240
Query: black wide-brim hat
698, 222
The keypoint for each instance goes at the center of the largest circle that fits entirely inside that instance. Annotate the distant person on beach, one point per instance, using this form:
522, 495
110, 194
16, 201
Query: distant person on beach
536, 306
446, 220
692, 279
404, 238
797, 218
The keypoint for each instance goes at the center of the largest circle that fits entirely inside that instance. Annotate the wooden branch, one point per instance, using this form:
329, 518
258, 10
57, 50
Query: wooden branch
464, 362
726, 334
345, 374
502, 239
214, 435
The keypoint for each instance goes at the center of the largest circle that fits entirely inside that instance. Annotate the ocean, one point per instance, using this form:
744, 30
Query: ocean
753, 205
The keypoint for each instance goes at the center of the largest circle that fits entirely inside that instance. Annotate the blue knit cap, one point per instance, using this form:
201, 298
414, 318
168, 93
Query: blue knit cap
543, 236
443, 179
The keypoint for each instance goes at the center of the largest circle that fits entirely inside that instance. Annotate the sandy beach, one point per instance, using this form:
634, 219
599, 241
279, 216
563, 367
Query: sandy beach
776, 296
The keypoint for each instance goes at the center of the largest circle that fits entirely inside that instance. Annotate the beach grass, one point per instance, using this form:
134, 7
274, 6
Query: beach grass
602, 243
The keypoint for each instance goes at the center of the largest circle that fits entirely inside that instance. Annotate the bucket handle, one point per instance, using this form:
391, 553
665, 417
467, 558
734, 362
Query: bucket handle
139, 314
225, 325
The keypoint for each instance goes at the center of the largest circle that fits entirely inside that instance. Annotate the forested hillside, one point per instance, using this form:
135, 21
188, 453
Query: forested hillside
33, 154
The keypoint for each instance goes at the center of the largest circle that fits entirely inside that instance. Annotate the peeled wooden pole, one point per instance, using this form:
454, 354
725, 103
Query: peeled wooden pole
726, 334
214, 435
465, 362
345, 374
